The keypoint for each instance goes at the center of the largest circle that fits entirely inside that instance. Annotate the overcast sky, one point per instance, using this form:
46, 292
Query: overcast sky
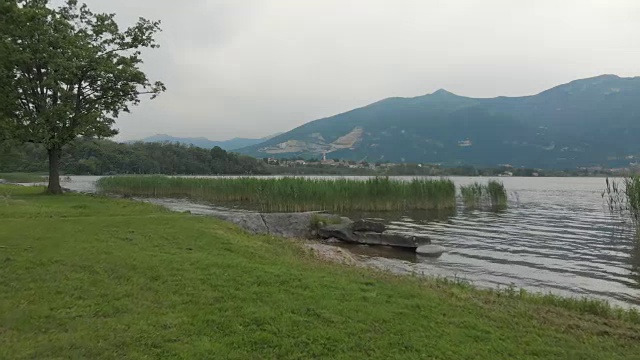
250, 68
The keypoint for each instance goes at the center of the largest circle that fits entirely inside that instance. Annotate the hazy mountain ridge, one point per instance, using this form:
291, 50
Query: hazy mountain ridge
231, 144
588, 122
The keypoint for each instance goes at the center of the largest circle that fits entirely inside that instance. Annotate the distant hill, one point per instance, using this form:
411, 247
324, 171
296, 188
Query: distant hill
587, 122
202, 142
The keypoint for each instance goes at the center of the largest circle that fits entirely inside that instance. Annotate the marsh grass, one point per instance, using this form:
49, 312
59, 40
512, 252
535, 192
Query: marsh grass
22, 177
293, 193
472, 195
492, 195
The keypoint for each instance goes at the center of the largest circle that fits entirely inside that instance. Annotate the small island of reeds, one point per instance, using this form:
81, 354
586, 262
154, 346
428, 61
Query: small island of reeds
491, 195
623, 196
293, 193
22, 177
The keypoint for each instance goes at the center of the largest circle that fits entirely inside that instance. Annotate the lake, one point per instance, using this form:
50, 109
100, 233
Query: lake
556, 236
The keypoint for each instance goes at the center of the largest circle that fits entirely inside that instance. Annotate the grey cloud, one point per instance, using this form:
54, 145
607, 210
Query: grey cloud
252, 68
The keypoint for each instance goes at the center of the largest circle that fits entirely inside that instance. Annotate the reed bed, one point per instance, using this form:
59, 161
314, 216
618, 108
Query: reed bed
632, 189
293, 193
22, 177
493, 195
623, 196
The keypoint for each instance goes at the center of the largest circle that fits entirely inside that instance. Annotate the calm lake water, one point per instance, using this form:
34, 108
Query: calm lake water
556, 236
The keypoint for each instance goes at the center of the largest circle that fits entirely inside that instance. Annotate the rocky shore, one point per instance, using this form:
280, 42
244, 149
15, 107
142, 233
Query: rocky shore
313, 225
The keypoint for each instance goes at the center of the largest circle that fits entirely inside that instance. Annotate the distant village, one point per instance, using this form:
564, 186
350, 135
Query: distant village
378, 166
325, 162
501, 170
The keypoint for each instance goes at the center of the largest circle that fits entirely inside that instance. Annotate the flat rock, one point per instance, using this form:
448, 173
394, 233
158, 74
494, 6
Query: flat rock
430, 250
346, 233
368, 225
251, 222
390, 239
290, 225
342, 232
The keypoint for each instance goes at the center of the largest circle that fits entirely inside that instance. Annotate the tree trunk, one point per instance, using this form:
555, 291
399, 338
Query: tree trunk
54, 171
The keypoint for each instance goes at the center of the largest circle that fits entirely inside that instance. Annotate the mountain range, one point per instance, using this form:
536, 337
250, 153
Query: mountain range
202, 142
588, 122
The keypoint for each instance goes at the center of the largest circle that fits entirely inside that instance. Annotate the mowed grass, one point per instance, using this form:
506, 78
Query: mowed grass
93, 278
294, 194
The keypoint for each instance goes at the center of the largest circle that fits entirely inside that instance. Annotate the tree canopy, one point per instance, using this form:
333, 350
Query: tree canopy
84, 156
68, 72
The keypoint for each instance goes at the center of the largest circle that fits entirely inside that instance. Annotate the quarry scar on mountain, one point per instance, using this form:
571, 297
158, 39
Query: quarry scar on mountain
317, 144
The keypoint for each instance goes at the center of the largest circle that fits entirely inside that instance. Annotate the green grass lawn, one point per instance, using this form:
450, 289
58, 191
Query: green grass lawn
94, 278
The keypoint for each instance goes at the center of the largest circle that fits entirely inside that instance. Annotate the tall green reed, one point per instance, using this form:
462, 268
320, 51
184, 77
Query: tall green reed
293, 193
476, 195
623, 196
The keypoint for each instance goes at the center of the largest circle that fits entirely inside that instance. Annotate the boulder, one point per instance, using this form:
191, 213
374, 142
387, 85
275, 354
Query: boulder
296, 225
343, 232
369, 226
430, 250
3, 181
290, 225
346, 233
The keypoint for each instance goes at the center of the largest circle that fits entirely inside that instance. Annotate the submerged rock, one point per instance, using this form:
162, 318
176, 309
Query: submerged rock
430, 250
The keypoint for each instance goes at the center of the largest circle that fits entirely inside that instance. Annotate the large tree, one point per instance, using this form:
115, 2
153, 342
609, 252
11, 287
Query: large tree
67, 72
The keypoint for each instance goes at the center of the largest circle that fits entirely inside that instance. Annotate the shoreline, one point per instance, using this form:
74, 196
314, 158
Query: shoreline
333, 252
389, 263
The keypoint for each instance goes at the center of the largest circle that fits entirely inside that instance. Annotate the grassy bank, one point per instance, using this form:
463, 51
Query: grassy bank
22, 177
492, 195
294, 194
95, 278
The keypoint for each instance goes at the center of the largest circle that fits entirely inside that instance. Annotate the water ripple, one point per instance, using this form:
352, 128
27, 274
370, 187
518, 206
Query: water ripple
556, 237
